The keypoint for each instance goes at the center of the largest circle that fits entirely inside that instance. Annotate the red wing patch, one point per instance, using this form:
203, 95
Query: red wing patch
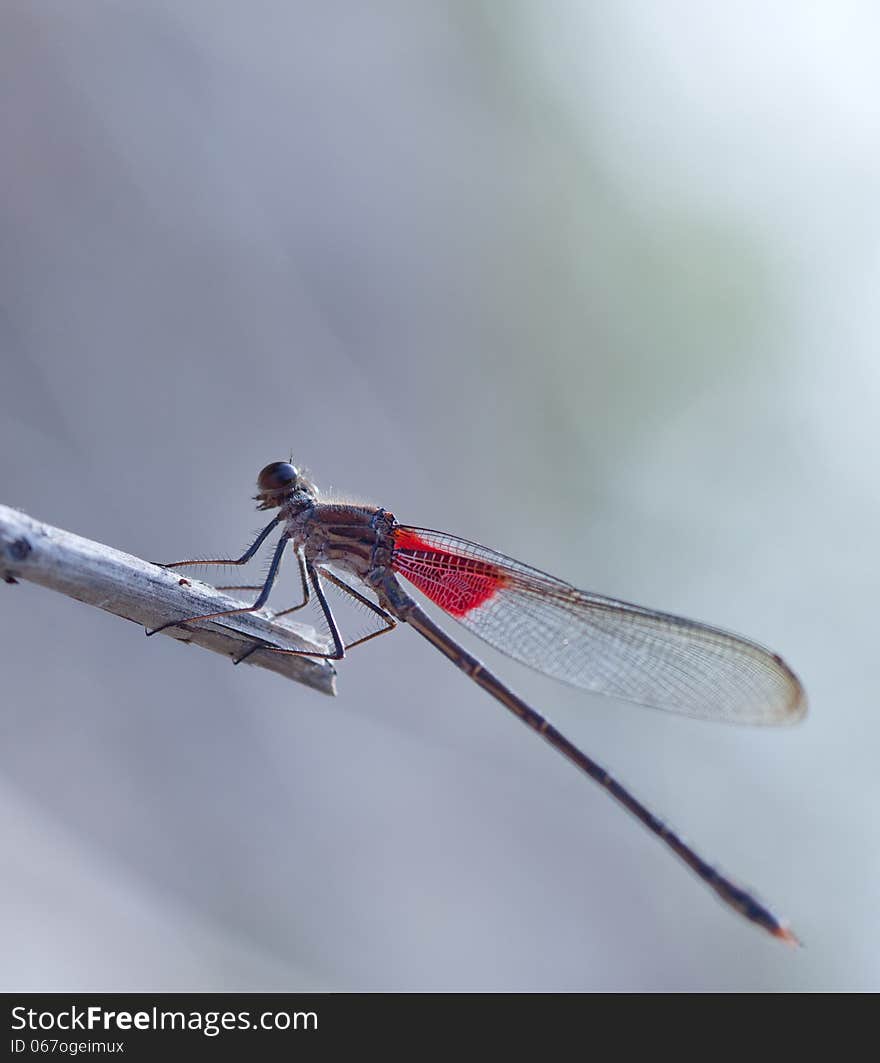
455, 582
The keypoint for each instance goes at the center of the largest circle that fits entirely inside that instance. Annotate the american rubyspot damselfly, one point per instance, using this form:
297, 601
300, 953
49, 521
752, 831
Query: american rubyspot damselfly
598, 643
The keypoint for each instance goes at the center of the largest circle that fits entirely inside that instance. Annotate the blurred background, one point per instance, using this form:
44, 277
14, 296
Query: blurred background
593, 283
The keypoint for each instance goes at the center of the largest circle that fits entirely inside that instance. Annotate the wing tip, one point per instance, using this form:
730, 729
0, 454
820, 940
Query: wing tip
796, 708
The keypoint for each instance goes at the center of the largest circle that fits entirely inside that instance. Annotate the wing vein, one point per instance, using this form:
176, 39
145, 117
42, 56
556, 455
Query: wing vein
598, 643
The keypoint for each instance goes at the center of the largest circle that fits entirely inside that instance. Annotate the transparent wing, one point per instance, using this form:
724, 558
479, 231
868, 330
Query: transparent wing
603, 645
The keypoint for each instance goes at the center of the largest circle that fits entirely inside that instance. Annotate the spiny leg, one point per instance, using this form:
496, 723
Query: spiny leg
258, 604
390, 621
306, 599
339, 648
243, 560
259, 586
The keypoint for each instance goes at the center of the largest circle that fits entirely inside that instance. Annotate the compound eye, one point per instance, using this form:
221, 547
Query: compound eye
277, 476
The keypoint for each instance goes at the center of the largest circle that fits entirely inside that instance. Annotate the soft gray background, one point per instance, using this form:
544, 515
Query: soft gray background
595, 283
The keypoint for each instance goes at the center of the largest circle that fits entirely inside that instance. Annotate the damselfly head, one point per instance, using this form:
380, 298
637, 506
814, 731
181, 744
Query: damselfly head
278, 482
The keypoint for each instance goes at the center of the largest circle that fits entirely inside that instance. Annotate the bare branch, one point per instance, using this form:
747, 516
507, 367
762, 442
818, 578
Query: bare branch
151, 596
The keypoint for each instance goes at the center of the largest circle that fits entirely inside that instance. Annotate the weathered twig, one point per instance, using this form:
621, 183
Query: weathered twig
150, 596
